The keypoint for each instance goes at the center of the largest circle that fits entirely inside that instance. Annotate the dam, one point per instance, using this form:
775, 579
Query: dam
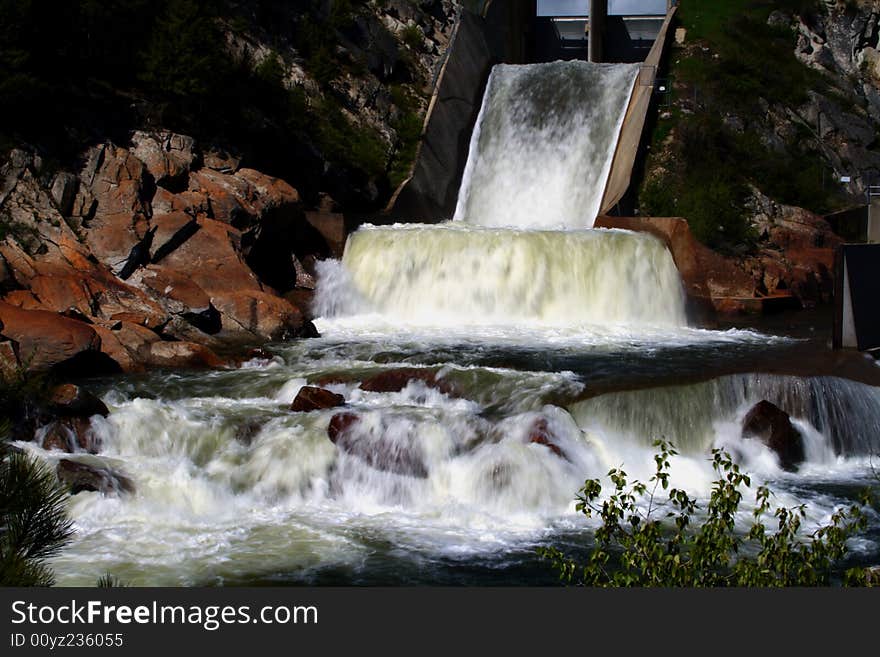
488, 362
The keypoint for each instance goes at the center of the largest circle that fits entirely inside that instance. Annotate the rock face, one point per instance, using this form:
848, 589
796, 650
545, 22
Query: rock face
142, 245
793, 264
772, 426
310, 398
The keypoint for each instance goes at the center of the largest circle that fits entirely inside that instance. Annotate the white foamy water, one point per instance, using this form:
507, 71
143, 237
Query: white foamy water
542, 150
522, 327
452, 275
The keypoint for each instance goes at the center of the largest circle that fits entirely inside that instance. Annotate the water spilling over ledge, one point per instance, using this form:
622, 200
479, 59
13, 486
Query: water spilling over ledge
462, 275
528, 333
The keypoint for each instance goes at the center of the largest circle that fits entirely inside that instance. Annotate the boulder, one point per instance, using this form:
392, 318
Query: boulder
311, 398
397, 379
182, 355
114, 349
340, 424
772, 426
231, 198
75, 401
47, 339
178, 292
257, 313
376, 451
167, 156
118, 213
70, 435
79, 477
268, 192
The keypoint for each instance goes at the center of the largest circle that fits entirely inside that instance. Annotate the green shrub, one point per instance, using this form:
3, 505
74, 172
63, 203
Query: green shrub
660, 544
33, 521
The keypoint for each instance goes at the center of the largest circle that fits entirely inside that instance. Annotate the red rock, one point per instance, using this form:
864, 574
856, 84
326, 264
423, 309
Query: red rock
115, 178
232, 198
261, 314
114, 349
772, 426
211, 260
397, 379
270, 192
133, 318
540, 434
191, 202
24, 299
176, 286
74, 401
45, 338
182, 355
311, 398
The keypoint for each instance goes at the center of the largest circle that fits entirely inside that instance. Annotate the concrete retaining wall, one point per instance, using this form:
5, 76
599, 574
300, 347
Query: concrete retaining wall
499, 33
856, 311
634, 123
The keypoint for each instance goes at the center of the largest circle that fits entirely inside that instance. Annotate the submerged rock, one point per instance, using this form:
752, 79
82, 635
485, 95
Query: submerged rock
540, 434
311, 398
79, 477
376, 451
69, 434
772, 426
398, 379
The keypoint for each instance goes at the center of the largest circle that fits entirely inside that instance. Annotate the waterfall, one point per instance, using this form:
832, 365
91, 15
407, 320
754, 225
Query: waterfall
542, 150
454, 274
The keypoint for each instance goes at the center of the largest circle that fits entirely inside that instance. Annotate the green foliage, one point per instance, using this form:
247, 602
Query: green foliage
413, 37
108, 581
82, 71
33, 521
185, 56
409, 133
664, 542
709, 165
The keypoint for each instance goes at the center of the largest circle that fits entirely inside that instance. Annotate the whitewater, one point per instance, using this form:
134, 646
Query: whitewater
523, 320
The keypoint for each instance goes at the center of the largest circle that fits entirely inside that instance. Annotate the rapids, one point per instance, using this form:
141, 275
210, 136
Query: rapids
576, 336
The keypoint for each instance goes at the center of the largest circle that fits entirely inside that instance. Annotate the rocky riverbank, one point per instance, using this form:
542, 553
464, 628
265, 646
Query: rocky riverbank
155, 253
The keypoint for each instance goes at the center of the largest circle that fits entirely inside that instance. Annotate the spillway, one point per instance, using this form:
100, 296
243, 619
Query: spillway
543, 146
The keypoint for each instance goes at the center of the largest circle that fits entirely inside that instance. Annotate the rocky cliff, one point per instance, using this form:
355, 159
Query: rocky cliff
771, 124
171, 203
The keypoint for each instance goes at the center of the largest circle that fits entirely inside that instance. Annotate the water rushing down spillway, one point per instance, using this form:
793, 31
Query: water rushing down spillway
534, 346
543, 145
